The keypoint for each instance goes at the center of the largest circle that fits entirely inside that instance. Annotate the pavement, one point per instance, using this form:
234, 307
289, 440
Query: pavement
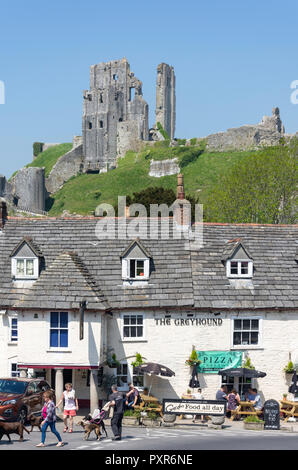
182, 438
185, 435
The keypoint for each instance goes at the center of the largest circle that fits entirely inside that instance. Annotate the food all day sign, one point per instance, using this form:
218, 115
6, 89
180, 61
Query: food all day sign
213, 361
208, 407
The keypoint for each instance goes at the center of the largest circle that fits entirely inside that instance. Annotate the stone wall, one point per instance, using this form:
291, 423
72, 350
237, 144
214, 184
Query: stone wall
160, 168
70, 164
27, 189
267, 133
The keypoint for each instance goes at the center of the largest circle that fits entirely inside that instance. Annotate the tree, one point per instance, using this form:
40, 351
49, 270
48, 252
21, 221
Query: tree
261, 188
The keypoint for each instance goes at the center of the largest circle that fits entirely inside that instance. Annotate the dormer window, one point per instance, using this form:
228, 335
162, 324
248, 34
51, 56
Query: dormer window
25, 261
238, 268
136, 262
238, 261
137, 268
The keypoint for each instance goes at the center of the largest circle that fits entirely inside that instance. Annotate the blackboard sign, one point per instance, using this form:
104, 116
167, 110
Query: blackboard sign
271, 414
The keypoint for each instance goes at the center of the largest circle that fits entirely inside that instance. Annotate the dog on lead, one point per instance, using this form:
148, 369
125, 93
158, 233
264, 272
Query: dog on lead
34, 421
88, 425
7, 428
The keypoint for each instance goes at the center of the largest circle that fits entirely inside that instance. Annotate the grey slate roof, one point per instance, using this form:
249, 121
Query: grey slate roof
78, 265
63, 285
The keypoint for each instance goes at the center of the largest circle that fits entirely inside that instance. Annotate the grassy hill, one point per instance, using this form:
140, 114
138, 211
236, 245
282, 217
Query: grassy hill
202, 170
49, 157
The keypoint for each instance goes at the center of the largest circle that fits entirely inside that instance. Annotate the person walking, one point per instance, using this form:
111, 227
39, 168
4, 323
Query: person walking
50, 420
71, 406
116, 401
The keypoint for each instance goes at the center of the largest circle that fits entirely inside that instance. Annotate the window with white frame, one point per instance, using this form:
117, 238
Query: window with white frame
127, 373
25, 268
239, 268
133, 326
122, 375
14, 329
246, 332
14, 371
137, 269
59, 330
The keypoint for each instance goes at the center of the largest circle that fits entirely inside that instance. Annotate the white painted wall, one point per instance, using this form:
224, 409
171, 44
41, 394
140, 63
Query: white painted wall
34, 340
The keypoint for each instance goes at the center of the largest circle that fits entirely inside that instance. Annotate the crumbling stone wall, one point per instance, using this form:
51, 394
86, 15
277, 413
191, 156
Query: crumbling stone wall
166, 98
27, 189
107, 104
70, 164
267, 133
160, 168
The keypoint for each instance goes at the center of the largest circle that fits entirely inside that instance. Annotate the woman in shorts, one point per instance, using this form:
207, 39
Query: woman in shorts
71, 406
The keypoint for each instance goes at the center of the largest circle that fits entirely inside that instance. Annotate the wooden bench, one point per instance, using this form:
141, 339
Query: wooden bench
245, 408
289, 408
145, 404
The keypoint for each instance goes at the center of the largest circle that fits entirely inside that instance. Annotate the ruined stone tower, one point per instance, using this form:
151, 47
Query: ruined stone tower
113, 107
166, 98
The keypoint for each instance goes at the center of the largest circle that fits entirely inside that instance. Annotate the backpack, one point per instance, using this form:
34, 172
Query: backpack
139, 400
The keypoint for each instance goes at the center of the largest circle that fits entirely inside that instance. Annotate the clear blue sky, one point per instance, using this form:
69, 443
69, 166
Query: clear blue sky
233, 60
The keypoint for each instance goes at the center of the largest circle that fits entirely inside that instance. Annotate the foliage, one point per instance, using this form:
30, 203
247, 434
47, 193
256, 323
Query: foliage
132, 413
37, 148
49, 157
163, 132
152, 195
260, 188
252, 419
247, 364
190, 156
193, 141
289, 369
193, 358
112, 361
181, 141
107, 380
138, 361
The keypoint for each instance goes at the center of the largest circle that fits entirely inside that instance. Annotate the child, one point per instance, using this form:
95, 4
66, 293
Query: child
71, 406
50, 419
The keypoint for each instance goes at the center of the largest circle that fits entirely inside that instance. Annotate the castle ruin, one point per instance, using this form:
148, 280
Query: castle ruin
115, 114
166, 98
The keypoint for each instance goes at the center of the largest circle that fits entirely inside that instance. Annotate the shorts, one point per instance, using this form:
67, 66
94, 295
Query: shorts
69, 412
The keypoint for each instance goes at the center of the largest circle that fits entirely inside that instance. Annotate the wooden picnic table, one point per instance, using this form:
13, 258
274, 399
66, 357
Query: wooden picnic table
245, 408
145, 404
289, 408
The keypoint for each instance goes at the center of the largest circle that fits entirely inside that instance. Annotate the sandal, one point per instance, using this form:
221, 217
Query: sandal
60, 444
65, 429
70, 430
40, 445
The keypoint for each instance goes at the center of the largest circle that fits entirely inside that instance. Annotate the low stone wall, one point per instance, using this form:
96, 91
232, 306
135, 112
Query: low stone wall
70, 164
160, 168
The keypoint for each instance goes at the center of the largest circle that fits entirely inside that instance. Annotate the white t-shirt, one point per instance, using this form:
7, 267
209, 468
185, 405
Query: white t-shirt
69, 398
198, 396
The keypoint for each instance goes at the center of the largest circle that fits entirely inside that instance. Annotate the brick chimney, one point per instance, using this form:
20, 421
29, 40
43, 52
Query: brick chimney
182, 211
3, 212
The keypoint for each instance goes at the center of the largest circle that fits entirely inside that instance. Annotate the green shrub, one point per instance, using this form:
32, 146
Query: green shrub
162, 131
289, 369
253, 419
190, 156
37, 148
181, 141
193, 141
132, 413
